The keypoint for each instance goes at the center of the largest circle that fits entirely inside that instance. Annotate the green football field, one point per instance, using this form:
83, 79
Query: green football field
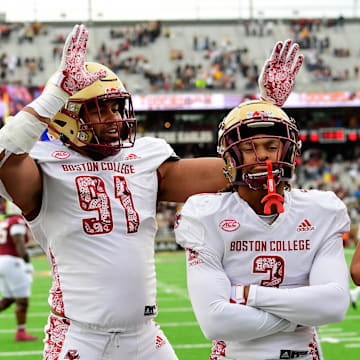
339, 341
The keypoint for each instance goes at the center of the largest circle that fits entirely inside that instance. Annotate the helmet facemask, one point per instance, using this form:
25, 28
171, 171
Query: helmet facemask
125, 128
260, 124
74, 126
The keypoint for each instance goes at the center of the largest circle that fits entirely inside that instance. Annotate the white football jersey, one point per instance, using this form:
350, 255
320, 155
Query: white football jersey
97, 225
228, 244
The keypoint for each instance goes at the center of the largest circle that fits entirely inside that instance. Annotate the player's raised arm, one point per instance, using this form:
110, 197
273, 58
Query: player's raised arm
279, 71
20, 177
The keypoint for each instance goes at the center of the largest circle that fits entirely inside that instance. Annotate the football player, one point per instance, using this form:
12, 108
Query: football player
355, 275
265, 262
90, 200
15, 269
355, 266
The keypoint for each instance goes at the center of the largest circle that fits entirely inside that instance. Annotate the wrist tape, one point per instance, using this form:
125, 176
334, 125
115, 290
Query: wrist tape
238, 294
20, 133
50, 101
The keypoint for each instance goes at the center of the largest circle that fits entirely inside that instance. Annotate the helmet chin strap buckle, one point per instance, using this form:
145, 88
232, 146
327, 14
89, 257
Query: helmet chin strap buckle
272, 198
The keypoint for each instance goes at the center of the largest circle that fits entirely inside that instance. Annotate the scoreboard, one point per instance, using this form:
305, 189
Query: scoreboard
330, 135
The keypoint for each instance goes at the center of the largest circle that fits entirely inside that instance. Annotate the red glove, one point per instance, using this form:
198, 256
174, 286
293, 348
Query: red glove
278, 74
72, 75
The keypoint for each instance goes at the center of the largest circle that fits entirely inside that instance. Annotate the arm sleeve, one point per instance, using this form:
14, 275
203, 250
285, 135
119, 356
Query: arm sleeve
326, 299
210, 291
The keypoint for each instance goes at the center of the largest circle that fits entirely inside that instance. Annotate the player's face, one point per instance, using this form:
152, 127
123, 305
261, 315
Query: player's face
261, 149
107, 129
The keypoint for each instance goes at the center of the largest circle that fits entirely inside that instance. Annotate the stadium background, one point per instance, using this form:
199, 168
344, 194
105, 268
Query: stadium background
187, 65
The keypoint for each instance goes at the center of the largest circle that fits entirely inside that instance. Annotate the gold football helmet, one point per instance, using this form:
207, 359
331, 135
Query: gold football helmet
253, 120
73, 127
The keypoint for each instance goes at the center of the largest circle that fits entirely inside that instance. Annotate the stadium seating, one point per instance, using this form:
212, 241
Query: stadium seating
179, 37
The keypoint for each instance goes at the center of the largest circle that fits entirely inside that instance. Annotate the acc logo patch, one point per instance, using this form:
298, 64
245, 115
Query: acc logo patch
262, 114
60, 154
132, 157
229, 225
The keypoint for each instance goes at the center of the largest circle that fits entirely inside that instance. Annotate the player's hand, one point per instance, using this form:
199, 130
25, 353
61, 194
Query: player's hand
239, 294
72, 76
278, 74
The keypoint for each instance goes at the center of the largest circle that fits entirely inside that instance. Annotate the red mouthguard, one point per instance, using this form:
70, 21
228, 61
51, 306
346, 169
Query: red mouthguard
272, 198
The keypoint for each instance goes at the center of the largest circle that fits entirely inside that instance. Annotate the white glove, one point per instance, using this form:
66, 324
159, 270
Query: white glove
70, 77
278, 73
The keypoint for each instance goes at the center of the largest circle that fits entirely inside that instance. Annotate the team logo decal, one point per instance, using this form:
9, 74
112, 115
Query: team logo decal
252, 114
192, 254
60, 154
229, 225
72, 355
193, 258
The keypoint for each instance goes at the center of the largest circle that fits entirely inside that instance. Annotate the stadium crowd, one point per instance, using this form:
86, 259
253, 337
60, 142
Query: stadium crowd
221, 63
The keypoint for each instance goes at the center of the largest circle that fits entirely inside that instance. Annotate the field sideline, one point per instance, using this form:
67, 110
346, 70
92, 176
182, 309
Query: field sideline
339, 341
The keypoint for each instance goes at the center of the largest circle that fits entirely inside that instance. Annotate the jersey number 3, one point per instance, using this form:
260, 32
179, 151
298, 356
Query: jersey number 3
274, 266
93, 197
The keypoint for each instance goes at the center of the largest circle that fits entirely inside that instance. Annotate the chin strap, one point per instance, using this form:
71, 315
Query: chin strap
272, 198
